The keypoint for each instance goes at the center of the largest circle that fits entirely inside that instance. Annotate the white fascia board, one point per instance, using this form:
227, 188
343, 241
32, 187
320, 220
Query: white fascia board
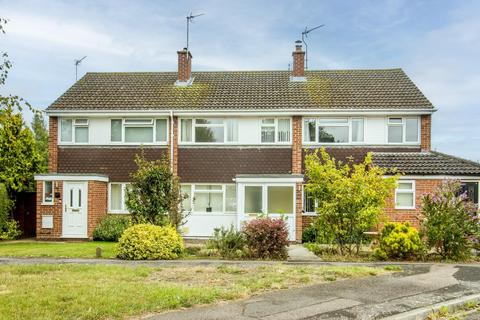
437, 177
69, 177
268, 180
236, 112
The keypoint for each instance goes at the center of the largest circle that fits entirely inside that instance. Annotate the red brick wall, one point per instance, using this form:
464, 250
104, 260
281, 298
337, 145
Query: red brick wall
298, 212
97, 204
55, 210
425, 132
297, 145
52, 144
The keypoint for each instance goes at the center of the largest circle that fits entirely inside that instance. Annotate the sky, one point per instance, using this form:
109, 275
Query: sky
436, 42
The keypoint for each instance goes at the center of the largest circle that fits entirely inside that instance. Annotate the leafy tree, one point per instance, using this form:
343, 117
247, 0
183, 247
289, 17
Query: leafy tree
350, 196
40, 134
154, 195
451, 222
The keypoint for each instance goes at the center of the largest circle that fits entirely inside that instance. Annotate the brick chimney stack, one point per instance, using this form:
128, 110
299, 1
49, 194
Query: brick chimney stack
298, 71
184, 67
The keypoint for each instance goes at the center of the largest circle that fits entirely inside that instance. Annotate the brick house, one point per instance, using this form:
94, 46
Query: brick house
237, 141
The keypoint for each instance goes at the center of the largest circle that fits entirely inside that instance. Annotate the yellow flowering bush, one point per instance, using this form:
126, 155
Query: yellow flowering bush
399, 241
150, 242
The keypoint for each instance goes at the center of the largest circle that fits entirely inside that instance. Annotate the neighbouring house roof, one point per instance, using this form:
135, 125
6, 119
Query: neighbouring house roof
388, 89
426, 163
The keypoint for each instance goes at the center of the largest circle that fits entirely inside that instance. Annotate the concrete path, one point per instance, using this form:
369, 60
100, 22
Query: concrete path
369, 298
297, 252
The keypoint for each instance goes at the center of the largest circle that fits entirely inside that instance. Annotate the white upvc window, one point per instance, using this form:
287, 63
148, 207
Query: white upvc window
210, 198
403, 130
208, 130
339, 130
139, 131
309, 203
74, 131
117, 198
275, 130
405, 194
47, 197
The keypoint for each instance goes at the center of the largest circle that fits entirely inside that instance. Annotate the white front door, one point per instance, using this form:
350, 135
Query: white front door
75, 210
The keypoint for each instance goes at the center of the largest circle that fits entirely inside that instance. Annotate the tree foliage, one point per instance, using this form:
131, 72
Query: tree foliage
154, 195
40, 134
350, 196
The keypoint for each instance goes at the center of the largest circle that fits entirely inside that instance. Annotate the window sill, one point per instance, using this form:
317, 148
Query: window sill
47, 203
118, 212
309, 214
405, 208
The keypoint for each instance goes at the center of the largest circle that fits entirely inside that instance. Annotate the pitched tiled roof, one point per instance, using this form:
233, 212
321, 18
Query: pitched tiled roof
426, 163
256, 90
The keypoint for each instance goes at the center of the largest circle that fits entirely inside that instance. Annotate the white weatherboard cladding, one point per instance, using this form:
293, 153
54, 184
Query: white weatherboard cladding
203, 224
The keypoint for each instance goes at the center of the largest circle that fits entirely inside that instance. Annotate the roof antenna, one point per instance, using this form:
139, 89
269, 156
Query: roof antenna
190, 18
77, 63
304, 36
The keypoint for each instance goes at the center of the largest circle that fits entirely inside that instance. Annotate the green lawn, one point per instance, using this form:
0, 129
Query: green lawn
106, 292
56, 249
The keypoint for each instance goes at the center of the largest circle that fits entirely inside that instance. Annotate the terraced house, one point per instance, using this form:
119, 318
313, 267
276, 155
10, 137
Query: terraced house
236, 140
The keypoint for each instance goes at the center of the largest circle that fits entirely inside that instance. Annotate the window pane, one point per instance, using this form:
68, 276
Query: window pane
309, 130
208, 187
48, 191
161, 130
81, 122
405, 186
209, 134
357, 130
116, 196
268, 121
116, 130
395, 120
81, 134
253, 199
232, 130
333, 120
138, 134
139, 121
404, 200
186, 203
186, 134
66, 130
411, 130
268, 134
208, 202
333, 134
395, 134
471, 190
209, 121
283, 130
280, 199
230, 198
308, 202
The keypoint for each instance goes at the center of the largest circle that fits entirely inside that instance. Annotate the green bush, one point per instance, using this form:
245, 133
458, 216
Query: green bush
9, 228
150, 242
111, 228
229, 243
309, 234
398, 241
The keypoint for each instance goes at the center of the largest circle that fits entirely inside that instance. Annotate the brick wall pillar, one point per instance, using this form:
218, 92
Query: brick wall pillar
425, 132
97, 204
174, 139
297, 145
52, 144
298, 212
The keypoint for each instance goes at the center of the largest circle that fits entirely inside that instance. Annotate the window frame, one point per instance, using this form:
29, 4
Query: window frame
152, 124
194, 124
275, 125
348, 123
404, 130
73, 125
223, 191
123, 210
44, 202
315, 204
409, 191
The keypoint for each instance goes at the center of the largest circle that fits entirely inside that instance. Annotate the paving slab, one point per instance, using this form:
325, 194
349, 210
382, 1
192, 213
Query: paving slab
298, 252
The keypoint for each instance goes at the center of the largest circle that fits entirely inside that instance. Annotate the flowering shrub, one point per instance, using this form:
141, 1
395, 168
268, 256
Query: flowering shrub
398, 241
451, 223
266, 238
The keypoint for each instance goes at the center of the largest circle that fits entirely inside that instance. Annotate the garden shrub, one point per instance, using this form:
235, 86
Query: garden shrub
150, 242
309, 234
266, 238
398, 241
229, 242
451, 222
9, 228
111, 228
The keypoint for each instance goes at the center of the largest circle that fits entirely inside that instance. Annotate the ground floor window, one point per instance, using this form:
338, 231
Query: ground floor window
405, 195
210, 198
471, 190
47, 192
309, 203
116, 198
271, 199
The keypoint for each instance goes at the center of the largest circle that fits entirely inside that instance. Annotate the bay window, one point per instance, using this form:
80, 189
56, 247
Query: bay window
405, 195
139, 130
333, 130
117, 198
74, 130
210, 198
209, 130
401, 130
275, 130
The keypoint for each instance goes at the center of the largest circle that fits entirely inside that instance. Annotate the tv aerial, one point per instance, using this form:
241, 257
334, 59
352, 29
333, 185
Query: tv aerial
77, 63
190, 18
305, 36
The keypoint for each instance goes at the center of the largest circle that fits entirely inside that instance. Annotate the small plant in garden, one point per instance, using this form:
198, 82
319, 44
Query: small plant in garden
451, 222
309, 234
398, 241
9, 229
150, 242
229, 243
111, 228
266, 238
350, 197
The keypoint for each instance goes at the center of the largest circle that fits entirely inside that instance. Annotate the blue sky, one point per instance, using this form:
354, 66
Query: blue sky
437, 43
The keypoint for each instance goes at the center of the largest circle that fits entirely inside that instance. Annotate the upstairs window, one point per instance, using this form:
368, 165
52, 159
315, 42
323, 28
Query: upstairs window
333, 130
209, 130
401, 130
275, 130
74, 130
139, 130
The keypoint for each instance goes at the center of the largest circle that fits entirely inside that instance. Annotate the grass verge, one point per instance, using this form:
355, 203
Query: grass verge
106, 291
56, 249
